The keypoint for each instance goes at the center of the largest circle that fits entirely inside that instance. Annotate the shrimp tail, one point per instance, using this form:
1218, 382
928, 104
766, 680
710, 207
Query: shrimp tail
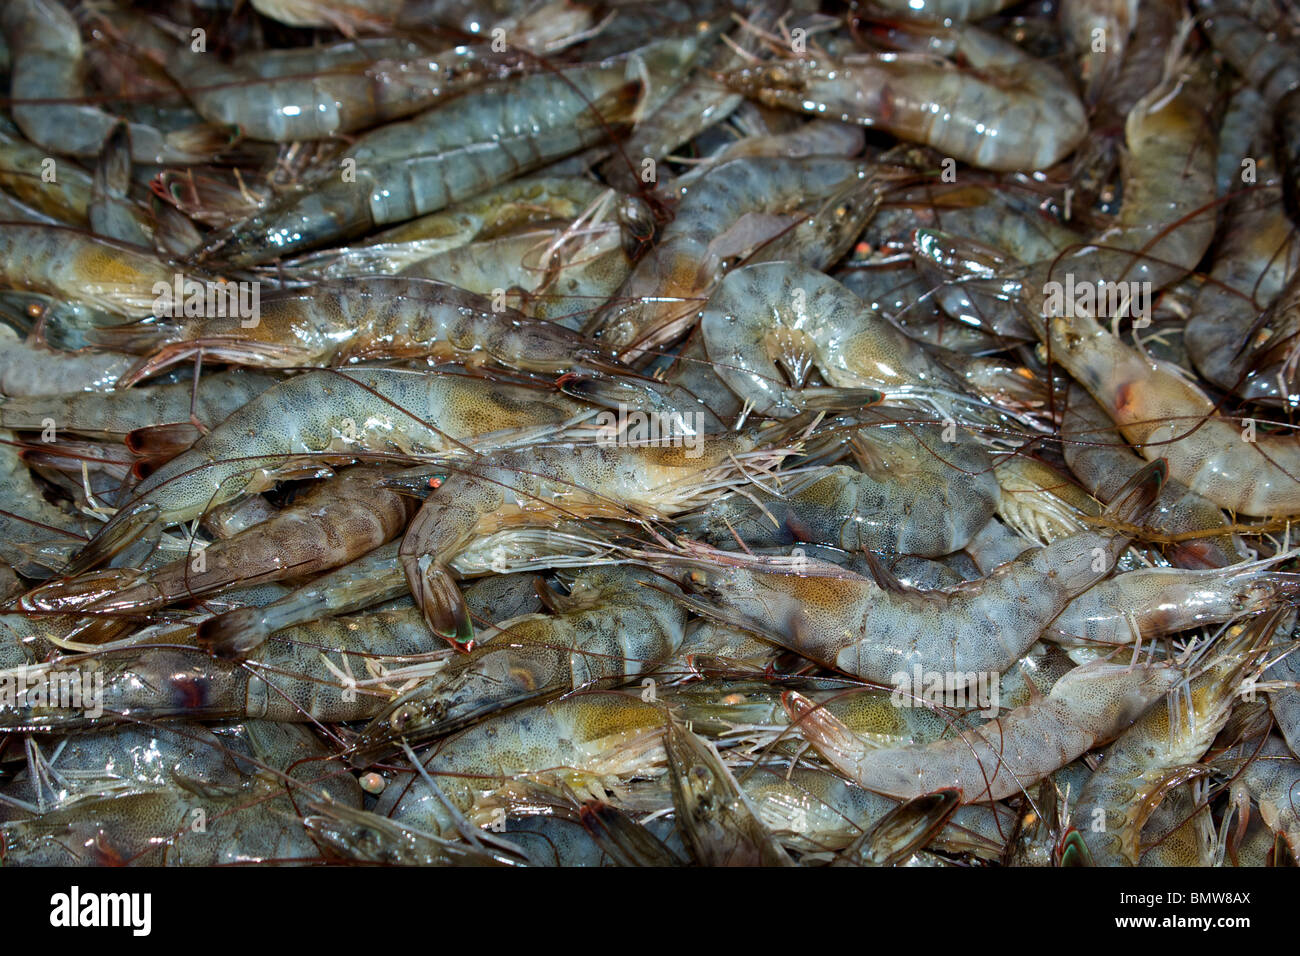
442, 603
141, 522
1133, 502
85, 593
203, 140
625, 840
1073, 851
418, 486
234, 634
159, 443
615, 108
906, 829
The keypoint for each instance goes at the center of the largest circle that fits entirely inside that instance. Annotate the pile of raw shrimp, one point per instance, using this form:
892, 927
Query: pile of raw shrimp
649, 432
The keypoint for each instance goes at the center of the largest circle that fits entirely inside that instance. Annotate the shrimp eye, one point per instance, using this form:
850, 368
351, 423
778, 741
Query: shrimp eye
435, 481
401, 717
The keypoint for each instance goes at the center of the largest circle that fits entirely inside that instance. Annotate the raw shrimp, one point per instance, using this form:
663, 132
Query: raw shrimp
1152, 602
112, 212
35, 536
520, 202
916, 493
250, 820
1038, 502
586, 741
27, 368
1001, 110
293, 427
1090, 705
1164, 415
880, 630
311, 93
1086, 21
717, 820
334, 522
903, 832
807, 209
555, 273
349, 320
348, 668
119, 279
1164, 743
1226, 335
119, 412
781, 312
626, 481
811, 809
1272, 778
377, 577
66, 200
47, 55
1097, 455
609, 629
405, 170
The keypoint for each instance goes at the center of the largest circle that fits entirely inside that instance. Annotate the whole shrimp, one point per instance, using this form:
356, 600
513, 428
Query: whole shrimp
610, 629
334, 522
47, 66
1086, 707
521, 202
311, 93
914, 492
1165, 742
807, 209
407, 169
879, 629
566, 481
344, 321
585, 741
1002, 110
377, 577
343, 669
294, 426
781, 312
